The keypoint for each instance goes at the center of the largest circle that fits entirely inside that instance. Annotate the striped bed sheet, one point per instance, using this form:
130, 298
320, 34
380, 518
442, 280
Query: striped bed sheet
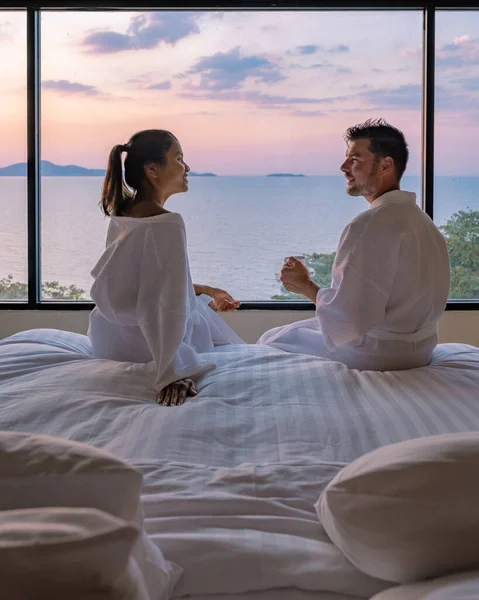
263, 437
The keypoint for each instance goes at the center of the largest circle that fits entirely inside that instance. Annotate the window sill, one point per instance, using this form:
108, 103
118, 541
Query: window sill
246, 305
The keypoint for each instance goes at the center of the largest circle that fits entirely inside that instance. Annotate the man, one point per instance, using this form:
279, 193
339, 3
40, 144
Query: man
390, 278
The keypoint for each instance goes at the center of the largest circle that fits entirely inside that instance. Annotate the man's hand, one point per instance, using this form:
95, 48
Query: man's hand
176, 393
222, 301
295, 278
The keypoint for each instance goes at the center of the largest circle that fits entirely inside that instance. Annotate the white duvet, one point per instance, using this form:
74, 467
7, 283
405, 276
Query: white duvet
231, 477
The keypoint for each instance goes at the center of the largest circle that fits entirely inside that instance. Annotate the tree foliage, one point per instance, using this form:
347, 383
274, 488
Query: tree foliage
51, 290
462, 237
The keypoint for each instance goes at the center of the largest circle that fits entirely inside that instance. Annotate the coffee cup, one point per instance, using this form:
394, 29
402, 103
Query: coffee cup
300, 257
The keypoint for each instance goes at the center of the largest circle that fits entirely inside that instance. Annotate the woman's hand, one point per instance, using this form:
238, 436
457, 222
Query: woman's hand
222, 301
176, 393
295, 278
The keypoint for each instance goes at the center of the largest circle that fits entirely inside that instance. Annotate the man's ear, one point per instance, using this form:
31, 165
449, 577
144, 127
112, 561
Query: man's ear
387, 165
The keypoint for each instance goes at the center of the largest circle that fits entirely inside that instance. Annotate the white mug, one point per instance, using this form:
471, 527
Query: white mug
301, 258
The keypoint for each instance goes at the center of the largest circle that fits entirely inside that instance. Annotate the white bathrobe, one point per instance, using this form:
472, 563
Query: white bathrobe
390, 284
146, 308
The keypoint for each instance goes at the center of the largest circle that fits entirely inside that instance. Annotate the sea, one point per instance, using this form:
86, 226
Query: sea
239, 229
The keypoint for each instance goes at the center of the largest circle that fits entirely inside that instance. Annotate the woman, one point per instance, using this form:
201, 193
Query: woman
146, 304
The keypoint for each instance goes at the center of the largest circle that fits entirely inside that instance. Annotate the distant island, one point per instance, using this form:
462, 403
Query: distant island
285, 175
193, 174
49, 169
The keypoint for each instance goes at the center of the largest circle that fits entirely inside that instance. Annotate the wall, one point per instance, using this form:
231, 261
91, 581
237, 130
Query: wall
455, 326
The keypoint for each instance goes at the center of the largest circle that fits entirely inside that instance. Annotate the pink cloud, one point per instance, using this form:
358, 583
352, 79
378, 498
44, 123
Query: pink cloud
412, 52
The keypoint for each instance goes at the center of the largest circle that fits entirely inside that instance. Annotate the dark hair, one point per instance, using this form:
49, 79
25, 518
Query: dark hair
385, 140
144, 147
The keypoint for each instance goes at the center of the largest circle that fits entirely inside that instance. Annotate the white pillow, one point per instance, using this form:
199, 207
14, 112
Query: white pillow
41, 471
74, 553
464, 586
409, 511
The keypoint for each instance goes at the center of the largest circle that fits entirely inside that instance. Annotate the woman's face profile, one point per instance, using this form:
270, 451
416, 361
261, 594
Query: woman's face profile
172, 177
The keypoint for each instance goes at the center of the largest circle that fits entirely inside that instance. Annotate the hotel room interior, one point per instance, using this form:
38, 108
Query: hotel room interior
288, 477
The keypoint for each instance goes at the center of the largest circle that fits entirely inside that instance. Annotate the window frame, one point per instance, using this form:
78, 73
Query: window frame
34, 9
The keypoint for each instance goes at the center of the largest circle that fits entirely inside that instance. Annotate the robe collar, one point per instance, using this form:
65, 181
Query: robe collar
396, 197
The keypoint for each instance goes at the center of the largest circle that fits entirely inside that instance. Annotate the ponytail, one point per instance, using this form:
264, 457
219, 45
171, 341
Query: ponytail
115, 195
146, 146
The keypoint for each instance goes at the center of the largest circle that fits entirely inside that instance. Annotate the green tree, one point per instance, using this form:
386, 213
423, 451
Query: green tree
12, 290
54, 291
461, 232
51, 290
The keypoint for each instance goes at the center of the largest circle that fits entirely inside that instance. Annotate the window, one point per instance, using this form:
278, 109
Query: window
260, 101
456, 185
13, 152
254, 97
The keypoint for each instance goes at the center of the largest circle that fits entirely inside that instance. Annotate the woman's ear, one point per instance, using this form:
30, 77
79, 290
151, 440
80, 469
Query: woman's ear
151, 173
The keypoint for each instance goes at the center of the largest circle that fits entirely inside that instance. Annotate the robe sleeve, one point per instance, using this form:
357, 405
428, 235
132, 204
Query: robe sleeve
163, 306
151, 290
363, 275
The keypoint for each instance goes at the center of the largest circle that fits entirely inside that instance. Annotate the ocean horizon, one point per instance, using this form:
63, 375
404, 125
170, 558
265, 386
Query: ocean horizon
50, 169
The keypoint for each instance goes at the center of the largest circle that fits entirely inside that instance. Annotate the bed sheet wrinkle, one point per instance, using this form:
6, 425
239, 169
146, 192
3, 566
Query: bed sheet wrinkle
51, 339
464, 406
433, 413
308, 408
270, 418
311, 425
261, 514
365, 433
406, 426
26, 365
462, 356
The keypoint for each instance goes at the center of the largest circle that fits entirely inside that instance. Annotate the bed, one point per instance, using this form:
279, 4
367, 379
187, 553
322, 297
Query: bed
231, 477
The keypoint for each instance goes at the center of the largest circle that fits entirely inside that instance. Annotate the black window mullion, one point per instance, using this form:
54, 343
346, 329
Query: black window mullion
429, 35
33, 155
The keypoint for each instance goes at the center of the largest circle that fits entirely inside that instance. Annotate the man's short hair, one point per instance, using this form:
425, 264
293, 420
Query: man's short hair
385, 140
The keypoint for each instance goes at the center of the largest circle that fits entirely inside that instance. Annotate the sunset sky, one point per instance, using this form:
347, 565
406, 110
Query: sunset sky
247, 93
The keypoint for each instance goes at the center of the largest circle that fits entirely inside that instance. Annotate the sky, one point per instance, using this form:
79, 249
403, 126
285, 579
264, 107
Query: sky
246, 93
